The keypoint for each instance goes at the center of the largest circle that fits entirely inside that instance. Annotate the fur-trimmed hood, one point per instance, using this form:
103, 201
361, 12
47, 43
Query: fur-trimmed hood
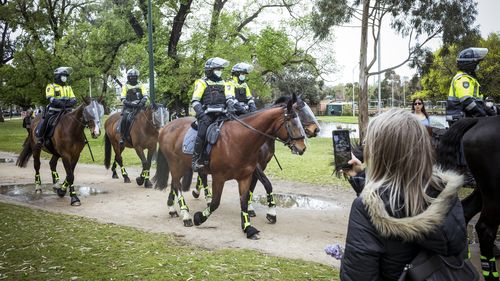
416, 227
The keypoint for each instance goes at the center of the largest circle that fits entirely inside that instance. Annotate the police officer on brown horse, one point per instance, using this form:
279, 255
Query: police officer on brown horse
134, 97
210, 98
242, 92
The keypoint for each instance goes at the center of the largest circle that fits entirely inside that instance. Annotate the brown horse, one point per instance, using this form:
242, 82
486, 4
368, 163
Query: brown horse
66, 142
144, 135
266, 153
234, 156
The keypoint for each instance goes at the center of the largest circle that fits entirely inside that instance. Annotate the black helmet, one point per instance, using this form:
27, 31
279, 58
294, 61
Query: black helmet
132, 76
241, 67
468, 59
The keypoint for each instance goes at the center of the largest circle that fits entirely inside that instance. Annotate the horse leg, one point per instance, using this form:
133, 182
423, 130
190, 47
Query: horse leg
119, 160
113, 169
271, 202
253, 184
244, 185
145, 173
176, 191
486, 228
145, 170
53, 166
202, 183
36, 165
472, 205
217, 187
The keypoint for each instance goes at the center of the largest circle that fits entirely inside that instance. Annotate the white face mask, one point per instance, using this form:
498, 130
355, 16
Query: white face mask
218, 73
242, 77
477, 68
64, 79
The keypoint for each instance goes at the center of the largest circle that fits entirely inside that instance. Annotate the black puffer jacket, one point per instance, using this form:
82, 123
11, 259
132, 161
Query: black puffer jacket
380, 242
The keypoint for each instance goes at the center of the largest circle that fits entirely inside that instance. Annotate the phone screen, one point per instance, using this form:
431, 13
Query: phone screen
341, 149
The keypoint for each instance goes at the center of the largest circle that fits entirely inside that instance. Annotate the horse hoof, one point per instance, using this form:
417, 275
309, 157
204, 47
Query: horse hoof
188, 223
114, 176
195, 193
251, 213
139, 180
126, 179
271, 218
199, 218
61, 192
252, 233
148, 184
173, 214
75, 201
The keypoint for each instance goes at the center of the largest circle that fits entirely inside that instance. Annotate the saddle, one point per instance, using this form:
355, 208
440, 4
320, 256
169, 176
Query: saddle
127, 124
211, 138
50, 126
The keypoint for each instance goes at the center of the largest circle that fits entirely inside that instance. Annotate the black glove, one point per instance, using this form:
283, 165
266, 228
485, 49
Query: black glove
143, 101
71, 102
198, 108
56, 102
252, 107
239, 108
230, 106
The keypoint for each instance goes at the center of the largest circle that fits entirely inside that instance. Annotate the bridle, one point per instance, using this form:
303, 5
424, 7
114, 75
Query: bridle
288, 118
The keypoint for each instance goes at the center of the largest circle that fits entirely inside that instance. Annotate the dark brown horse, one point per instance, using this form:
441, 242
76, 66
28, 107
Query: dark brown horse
66, 142
266, 153
481, 146
234, 156
143, 134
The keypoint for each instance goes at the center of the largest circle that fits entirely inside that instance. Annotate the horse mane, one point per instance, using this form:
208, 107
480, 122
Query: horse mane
449, 144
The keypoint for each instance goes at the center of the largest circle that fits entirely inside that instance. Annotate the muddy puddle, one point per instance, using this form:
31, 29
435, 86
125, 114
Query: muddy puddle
294, 201
26, 192
8, 160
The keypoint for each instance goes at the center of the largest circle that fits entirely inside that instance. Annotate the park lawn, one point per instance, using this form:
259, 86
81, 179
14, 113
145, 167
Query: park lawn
314, 166
339, 119
39, 245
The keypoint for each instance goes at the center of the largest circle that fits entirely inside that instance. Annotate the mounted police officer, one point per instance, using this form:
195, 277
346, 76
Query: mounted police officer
211, 97
60, 96
134, 97
242, 92
464, 97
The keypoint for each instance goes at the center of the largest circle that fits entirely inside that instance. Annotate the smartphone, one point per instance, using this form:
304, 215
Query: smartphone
341, 149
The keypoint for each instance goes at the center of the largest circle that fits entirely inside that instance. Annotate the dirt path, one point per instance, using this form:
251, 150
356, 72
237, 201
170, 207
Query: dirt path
299, 233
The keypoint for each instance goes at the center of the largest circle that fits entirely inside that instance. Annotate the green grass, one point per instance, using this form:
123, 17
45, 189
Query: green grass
312, 167
38, 245
339, 119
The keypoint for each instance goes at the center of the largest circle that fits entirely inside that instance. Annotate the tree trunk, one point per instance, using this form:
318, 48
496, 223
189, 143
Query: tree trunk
176, 32
363, 74
214, 23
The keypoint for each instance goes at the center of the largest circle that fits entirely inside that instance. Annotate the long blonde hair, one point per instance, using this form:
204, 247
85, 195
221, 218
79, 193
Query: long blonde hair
399, 157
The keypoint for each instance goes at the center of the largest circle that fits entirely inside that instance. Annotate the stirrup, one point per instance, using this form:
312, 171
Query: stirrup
197, 166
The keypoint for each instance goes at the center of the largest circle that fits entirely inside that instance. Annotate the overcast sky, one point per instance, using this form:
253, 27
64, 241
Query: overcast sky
394, 48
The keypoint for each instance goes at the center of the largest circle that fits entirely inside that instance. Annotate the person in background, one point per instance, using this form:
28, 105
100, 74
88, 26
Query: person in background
418, 108
242, 92
60, 96
134, 97
405, 205
464, 96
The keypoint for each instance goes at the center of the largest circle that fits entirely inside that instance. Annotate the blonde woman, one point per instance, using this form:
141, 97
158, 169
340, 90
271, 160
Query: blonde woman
406, 204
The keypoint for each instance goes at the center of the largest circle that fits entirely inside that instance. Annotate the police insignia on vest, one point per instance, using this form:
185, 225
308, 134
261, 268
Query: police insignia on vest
465, 84
228, 87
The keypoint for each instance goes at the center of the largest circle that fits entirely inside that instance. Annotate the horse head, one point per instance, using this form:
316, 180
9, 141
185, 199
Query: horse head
160, 115
92, 114
306, 116
292, 133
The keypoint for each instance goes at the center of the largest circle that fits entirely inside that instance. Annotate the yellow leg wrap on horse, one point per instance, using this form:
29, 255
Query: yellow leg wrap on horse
489, 267
270, 199
199, 186
246, 222
182, 203
55, 175
38, 179
145, 174
124, 173
250, 197
206, 213
65, 185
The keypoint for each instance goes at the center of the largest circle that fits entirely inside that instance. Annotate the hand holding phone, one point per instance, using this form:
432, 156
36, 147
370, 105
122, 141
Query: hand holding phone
341, 149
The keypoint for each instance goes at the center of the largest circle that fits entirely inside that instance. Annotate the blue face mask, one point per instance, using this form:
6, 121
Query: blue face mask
242, 77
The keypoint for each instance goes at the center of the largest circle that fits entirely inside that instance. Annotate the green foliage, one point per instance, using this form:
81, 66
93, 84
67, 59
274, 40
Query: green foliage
39, 245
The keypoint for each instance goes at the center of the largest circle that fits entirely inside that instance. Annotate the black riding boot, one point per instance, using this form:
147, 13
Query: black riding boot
123, 128
197, 153
40, 130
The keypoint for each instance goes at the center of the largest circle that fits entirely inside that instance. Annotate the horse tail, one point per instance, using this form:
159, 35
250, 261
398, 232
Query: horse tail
107, 151
162, 171
449, 144
25, 154
187, 179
